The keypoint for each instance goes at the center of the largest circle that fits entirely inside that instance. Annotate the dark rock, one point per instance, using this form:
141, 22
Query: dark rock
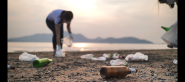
53, 79
152, 71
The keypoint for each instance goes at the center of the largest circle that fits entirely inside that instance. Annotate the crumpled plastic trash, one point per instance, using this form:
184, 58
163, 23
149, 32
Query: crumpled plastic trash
115, 55
170, 37
106, 55
136, 57
175, 61
98, 59
59, 54
67, 40
88, 56
129, 57
118, 62
28, 57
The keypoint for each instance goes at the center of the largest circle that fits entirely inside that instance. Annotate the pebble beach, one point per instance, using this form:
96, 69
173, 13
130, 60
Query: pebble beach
72, 68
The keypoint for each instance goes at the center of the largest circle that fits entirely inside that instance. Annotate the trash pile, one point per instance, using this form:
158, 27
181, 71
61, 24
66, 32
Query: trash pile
118, 62
37, 62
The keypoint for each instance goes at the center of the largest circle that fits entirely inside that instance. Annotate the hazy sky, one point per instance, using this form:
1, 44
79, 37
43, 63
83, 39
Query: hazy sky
94, 18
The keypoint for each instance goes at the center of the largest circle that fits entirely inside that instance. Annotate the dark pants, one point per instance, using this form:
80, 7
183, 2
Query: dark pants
51, 26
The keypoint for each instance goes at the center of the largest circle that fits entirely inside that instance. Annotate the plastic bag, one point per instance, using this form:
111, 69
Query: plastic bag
28, 57
88, 56
137, 56
140, 56
106, 55
59, 54
170, 37
67, 40
129, 57
118, 62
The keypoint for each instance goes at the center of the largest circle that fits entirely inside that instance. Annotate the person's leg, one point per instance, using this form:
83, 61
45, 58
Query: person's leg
61, 33
51, 26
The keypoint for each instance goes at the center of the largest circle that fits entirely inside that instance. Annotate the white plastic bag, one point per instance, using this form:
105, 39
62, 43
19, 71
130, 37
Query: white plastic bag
98, 59
28, 57
140, 56
129, 57
59, 54
137, 56
106, 55
115, 55
170, 37
88, 56
67, 40
118, 62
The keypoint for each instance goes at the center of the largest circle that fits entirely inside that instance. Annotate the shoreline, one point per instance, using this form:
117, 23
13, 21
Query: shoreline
19, 51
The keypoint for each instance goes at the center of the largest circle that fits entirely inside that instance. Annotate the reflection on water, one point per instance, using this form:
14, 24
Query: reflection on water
47, 46
80, 44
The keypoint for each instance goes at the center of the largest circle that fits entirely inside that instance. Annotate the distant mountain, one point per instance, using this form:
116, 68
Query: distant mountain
77, 38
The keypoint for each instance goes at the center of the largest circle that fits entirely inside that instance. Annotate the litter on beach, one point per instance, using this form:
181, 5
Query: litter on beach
175, 61
106, 55
115, 55
87, 56
42, 62
138, 56
27, 57
98, 59
67, 40
118, 62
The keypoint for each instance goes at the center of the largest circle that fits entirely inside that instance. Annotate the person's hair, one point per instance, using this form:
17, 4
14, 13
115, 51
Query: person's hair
171, 6
160, 1
66, 15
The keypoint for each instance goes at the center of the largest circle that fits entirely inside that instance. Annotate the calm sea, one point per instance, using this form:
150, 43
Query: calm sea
47, 46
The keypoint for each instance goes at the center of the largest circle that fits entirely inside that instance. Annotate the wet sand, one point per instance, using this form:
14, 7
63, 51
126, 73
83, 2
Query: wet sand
158, 68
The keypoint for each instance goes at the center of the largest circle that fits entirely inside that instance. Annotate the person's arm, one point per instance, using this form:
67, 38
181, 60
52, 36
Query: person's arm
69, 30
69, 27
57, 30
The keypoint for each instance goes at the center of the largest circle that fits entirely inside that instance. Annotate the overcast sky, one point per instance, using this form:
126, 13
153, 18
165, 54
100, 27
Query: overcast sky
94, 18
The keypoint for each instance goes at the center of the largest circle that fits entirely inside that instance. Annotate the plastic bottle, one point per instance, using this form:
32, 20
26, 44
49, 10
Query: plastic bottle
165, 28
115, 55
88, 56
41, 62
106, 55
98, 59
10, 67
118, 62
116, 71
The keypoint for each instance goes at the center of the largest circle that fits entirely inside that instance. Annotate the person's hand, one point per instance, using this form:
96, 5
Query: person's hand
70, 35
